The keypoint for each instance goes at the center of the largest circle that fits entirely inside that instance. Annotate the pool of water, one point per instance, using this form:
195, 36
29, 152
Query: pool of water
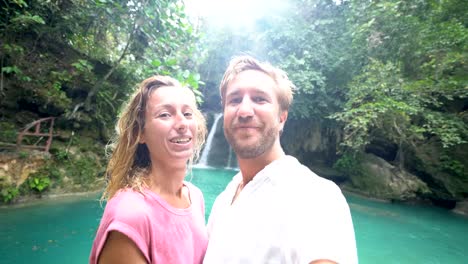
62, 231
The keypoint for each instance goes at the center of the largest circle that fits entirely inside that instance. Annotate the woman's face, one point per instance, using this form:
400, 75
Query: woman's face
170, 125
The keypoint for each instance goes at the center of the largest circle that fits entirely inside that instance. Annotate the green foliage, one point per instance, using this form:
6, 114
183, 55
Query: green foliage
452, 166
8, 193
7, 132
23, 155
78, 162
311, 46
26, 20
82, 66
449, 128
84, 170
12, 69
15, 71
38, 182
412, 85
377, 100
349, 164
380, 102
61, 155
85, 57
307, 39
389, 70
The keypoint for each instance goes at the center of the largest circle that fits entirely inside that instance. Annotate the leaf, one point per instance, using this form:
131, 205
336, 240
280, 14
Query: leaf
156, 63
171, 62
11, 69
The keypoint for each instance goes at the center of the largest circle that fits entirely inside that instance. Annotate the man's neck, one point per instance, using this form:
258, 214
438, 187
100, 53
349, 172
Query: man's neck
250, 167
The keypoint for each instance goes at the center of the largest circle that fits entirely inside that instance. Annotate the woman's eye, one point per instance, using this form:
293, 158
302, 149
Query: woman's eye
188, 114
164, 115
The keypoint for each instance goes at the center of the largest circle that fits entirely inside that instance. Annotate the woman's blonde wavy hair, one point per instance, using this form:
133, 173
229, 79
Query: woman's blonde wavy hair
130, 162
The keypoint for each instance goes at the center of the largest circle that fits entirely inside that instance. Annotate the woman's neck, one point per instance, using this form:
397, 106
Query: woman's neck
167, 180
168, 183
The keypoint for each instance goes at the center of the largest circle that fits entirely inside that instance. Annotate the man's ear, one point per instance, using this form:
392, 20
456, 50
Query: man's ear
282, 119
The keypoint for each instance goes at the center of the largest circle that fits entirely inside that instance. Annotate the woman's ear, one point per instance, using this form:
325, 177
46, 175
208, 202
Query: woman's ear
142, 138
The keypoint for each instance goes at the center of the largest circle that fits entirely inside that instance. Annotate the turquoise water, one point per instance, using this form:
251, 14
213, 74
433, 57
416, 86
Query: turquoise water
62, 231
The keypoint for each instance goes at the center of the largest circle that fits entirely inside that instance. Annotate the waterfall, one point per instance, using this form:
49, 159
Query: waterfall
229, 164
231, 160
204, 156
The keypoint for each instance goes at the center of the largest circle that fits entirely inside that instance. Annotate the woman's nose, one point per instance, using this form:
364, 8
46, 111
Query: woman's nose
181, 122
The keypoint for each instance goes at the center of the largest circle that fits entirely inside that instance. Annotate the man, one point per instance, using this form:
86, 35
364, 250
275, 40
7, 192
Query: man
275, 210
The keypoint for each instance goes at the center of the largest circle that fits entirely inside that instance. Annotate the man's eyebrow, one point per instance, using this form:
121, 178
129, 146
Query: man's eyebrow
255, 92
233, 91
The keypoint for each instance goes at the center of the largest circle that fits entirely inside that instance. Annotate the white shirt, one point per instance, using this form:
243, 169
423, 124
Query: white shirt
286, 214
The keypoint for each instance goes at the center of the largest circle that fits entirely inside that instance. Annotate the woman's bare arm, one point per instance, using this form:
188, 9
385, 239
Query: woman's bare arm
118, 248
323, 261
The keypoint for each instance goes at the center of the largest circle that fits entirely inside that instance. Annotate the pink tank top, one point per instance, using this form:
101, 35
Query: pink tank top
164, 234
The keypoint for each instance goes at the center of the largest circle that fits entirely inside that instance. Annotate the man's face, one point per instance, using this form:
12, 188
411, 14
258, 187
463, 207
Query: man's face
252, 117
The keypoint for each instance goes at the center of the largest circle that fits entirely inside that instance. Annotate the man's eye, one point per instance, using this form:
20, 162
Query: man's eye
188, 114
234, 101
259, 99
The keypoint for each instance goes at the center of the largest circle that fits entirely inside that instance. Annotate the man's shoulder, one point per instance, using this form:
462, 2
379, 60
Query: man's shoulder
225, 197
292, 166
194, 190
302, 176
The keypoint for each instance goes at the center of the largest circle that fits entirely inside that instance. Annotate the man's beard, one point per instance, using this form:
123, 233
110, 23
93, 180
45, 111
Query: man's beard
264, 143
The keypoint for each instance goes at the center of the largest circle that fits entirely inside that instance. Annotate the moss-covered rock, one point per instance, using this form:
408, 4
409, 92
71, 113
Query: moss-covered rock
74, 166
15, 167
443, 170
380, 179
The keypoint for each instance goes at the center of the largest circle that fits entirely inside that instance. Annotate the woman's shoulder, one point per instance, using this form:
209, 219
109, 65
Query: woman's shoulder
125, 201
127, 196
128, 213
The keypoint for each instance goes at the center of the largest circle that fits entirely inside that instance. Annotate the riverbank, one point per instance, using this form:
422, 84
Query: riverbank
39, 199
461, 209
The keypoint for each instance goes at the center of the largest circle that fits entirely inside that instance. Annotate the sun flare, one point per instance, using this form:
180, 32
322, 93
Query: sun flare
233, 13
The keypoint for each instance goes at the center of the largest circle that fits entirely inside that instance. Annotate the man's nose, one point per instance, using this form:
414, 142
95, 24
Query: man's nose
246, 108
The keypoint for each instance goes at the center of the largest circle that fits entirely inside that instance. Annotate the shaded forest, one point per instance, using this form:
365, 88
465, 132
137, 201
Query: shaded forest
379, 83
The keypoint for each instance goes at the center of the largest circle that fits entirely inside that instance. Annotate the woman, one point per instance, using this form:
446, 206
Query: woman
152, 214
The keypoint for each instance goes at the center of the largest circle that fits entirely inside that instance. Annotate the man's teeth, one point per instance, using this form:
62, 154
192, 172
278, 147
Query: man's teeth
181, 140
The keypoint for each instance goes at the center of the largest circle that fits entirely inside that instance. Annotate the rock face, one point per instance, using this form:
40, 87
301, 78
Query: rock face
15, 168
380, 179
312, 142
461, 207
445, 175
431, 173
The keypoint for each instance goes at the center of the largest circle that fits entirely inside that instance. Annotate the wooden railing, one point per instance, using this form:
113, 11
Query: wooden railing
34, 130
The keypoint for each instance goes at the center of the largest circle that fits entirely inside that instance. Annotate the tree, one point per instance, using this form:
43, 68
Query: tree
63, 55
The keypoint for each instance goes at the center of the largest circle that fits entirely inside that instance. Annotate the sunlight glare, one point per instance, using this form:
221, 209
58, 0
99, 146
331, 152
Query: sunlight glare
237, 14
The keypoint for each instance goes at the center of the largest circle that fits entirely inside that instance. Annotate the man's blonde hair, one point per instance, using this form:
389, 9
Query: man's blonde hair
284, 87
